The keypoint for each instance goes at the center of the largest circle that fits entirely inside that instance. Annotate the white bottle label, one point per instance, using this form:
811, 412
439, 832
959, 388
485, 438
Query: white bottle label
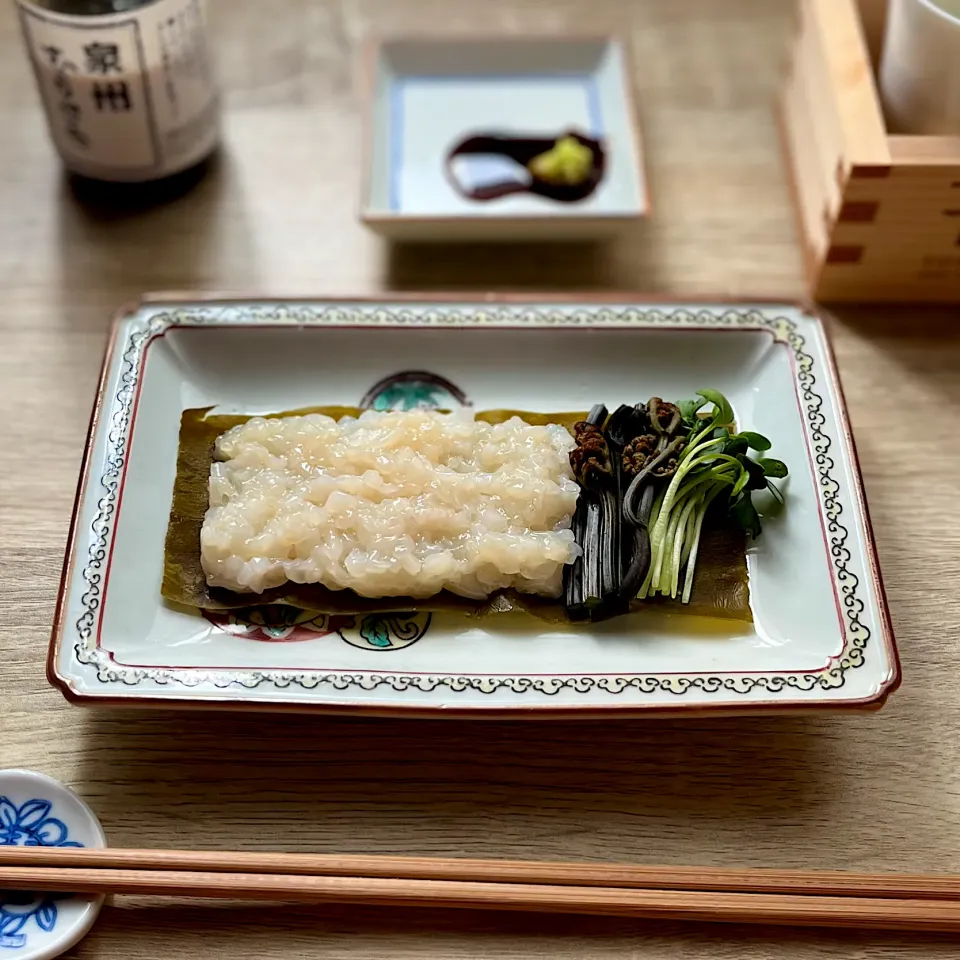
129, 96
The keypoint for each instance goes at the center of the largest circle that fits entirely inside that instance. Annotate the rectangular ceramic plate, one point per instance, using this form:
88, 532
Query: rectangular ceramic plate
820, 638
427, 95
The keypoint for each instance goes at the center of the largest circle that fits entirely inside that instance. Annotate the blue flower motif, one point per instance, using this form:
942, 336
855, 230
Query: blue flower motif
17, 911
28, 825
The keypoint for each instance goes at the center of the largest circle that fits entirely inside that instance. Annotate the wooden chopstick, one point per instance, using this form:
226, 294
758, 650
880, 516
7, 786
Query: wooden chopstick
691, 905
715, 879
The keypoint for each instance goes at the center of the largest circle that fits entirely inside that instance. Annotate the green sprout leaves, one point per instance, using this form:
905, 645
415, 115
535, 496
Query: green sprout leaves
715, 465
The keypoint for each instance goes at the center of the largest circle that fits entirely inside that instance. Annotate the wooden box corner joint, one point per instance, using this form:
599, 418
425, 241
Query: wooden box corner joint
878, 214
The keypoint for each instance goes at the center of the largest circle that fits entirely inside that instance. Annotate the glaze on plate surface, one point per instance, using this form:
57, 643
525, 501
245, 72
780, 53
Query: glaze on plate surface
820, 637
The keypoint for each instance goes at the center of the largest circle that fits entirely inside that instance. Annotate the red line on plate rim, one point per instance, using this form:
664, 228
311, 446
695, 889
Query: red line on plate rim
870, 702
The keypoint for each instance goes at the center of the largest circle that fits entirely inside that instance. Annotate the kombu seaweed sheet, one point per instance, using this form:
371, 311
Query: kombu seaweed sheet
720, 586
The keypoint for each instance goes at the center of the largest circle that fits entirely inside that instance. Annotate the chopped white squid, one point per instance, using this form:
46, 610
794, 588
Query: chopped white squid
391, 504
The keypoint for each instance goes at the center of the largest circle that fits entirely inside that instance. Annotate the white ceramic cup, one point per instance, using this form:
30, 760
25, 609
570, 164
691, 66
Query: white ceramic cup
920, 67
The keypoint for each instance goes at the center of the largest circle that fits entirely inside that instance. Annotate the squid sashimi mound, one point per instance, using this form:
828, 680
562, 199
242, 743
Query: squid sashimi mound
407, 503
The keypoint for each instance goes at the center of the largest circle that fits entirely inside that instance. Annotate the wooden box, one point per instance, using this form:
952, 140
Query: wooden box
879, 214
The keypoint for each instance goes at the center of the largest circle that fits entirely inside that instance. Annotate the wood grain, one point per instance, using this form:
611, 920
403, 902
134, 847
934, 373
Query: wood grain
65, 862
869, 793
700, 906
855, 89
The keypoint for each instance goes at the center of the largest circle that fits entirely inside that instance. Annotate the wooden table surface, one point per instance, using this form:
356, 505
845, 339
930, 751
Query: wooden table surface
860, 792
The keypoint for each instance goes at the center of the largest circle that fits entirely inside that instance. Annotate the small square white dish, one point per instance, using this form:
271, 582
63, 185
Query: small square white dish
426, 96
821, 637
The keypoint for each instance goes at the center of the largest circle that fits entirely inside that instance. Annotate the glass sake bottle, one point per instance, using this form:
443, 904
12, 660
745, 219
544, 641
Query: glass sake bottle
128, 89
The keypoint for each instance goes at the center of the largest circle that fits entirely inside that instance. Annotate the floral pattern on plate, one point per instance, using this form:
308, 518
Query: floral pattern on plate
29, 824
281, 624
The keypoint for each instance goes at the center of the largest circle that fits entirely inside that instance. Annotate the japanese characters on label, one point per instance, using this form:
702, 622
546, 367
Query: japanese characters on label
127, 96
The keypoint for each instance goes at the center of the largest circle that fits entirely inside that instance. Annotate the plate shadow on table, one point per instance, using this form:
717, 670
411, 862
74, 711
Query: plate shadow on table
151, 928
561, 790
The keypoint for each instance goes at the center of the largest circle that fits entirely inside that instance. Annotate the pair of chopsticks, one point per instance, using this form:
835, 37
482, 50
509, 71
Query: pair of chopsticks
786, 897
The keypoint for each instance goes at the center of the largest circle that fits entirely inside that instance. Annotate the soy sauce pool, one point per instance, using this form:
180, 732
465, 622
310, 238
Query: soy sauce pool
506, 160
